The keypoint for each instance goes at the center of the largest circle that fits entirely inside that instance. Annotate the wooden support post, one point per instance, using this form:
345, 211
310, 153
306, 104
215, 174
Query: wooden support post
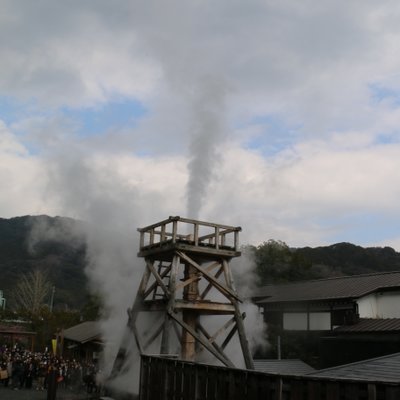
239, 321
371, 391
190, 294
171, 304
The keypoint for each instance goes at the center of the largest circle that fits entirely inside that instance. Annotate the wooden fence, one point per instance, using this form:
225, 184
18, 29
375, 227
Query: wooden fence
168, 379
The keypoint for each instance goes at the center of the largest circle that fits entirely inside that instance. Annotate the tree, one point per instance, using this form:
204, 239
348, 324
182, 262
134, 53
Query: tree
276, 262
31, 292
93, 308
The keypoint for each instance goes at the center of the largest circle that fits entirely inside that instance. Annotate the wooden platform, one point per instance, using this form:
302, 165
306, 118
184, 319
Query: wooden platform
191, 236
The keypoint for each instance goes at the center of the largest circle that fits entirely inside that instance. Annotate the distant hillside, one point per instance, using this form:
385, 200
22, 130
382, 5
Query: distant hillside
48, 244
276, 262
349, 259
56, 245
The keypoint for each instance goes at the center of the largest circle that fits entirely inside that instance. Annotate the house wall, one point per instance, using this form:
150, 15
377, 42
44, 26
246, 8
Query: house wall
313, 321
379, 305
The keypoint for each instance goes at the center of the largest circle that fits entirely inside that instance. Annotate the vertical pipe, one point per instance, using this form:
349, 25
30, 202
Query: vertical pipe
236, 240
162, 233
196, 234
174, 230
278, 345
190, 294
141, 240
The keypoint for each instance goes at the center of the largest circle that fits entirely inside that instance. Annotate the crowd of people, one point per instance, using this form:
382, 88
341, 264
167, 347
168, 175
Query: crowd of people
23, 369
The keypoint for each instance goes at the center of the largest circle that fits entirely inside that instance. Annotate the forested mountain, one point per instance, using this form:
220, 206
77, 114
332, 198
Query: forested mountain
56, 246
50, 245
276, 262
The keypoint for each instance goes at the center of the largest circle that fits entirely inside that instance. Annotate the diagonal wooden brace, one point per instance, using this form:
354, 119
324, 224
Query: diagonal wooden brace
150, 266
205, 343
223, 289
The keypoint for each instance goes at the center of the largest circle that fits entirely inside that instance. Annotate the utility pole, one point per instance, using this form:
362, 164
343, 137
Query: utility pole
53, 290
2, 301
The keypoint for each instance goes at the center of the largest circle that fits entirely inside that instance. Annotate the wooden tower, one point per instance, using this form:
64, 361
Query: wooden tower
187, 279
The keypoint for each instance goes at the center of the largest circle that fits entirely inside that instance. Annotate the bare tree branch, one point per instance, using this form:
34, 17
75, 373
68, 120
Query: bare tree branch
31, 292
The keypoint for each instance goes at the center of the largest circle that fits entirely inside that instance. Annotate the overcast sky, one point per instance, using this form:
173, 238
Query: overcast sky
279, 116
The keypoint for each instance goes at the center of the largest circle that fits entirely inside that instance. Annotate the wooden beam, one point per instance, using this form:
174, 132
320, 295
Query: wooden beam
210, 285
187, 281
154, 284
205, 343
174, 268
154, 336
239, 321
229, 337
223, 289
132, 325
141, 289
150, 266
211, 341
223, 328
205, 307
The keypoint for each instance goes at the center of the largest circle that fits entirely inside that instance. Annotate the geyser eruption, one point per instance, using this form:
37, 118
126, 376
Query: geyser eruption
207, 132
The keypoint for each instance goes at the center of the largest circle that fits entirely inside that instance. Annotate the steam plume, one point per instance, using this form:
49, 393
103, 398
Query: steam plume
207, 132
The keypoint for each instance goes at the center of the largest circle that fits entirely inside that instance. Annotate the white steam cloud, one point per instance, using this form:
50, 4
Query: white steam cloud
88, 187
208, 110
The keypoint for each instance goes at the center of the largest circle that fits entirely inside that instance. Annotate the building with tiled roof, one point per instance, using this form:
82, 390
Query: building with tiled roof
325, 304
11, 334
288, 367
82, 341
380, 369
354, 317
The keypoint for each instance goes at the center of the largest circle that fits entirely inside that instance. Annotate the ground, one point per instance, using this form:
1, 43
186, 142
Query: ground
31, 394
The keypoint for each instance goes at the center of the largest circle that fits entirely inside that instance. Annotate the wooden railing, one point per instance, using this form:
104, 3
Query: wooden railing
196, 233
168, 379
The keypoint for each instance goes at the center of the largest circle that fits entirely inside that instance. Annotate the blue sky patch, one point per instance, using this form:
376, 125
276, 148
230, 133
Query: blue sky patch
109, 116
12, 110
380, 92
362, 228
274, 136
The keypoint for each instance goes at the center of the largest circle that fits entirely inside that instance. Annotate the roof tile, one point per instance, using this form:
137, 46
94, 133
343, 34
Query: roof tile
324, 289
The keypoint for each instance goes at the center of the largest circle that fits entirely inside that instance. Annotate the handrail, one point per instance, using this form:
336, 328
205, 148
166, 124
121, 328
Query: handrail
176, 228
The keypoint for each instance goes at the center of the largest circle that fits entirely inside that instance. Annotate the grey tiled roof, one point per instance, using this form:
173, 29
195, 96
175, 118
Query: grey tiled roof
381, 369
84, 332
372, 325
288, 367
325, 289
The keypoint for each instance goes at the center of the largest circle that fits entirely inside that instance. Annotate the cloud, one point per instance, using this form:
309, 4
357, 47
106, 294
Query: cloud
23, 178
